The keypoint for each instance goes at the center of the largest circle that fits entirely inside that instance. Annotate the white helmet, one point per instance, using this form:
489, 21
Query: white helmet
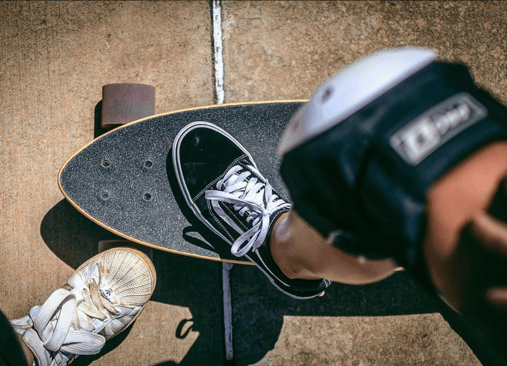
351, 89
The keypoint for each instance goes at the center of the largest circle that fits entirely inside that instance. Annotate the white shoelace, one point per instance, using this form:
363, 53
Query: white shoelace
254, 198
66, 325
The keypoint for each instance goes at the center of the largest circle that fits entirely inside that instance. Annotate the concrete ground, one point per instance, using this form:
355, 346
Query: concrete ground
54, 59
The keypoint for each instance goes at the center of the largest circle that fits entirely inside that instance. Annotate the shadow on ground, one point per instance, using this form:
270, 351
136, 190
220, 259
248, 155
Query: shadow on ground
258, 308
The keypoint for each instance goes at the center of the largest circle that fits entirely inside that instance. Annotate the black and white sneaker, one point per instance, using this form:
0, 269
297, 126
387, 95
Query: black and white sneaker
224, 189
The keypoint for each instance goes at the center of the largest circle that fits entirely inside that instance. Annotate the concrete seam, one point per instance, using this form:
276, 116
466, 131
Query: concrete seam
227, 304
220, 94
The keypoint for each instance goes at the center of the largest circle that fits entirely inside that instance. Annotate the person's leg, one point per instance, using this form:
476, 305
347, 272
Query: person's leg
301, 252
13, 352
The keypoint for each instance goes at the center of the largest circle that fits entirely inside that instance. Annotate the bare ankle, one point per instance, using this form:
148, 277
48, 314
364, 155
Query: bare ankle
279, 246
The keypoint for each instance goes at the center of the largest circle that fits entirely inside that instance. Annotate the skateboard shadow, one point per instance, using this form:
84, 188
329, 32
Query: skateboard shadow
258, 309
181, 281
70, 235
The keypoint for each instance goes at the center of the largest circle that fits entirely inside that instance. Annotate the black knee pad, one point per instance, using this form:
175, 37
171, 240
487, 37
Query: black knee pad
362, 183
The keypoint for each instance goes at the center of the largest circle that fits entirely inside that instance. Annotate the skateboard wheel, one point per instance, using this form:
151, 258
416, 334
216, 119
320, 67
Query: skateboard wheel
123, 103
109, 244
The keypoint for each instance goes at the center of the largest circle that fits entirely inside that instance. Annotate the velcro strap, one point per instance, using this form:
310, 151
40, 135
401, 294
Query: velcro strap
449, 119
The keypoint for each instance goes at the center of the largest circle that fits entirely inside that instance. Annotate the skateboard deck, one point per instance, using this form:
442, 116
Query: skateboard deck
124, 180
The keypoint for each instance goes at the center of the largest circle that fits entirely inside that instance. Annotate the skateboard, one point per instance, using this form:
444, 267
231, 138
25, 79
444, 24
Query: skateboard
124, 180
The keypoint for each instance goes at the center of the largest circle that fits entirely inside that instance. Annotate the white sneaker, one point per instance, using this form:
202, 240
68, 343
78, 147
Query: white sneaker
103, 297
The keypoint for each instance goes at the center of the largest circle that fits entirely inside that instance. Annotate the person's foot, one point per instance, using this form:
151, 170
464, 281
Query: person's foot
103, 297
226, 192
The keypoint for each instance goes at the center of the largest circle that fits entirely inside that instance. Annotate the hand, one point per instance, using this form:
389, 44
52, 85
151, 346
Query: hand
483, 256
465, 245
490, 234
459, 208
485, 240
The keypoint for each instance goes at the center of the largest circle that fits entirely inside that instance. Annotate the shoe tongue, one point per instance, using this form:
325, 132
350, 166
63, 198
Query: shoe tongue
81, 280
85, 275
248, 165
108, 293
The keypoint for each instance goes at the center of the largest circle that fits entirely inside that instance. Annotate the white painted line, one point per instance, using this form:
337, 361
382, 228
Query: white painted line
220, 93
217, 43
